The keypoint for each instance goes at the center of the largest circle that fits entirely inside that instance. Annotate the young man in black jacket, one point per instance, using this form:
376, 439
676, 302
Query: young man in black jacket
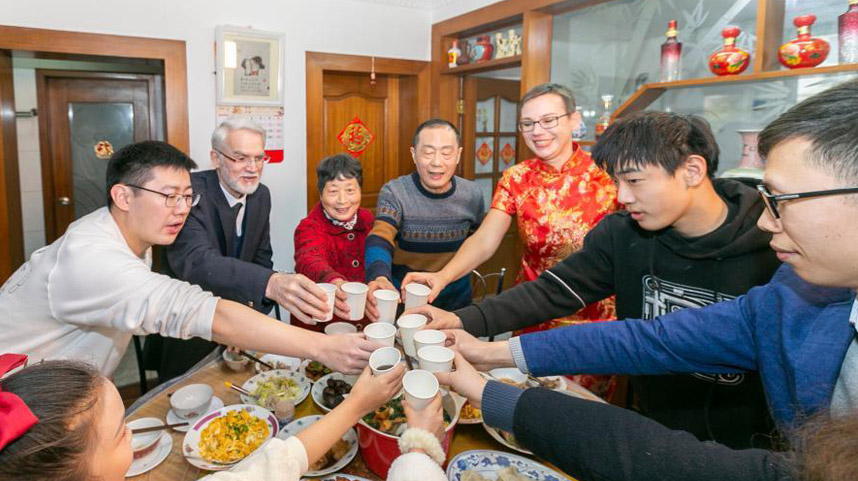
683, 241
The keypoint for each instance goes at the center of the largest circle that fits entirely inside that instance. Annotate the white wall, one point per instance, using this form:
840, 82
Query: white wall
458, 7
337, 26
29, 162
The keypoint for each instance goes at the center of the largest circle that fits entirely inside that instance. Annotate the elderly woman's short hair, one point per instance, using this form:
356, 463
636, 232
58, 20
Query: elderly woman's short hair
338, 167
232, 124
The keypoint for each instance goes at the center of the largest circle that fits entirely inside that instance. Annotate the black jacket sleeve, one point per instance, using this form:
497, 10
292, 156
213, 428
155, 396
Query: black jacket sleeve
196, 258
582, 278
595, 441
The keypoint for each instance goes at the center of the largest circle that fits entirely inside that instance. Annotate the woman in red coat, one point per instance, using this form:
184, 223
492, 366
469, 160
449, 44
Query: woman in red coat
329, 242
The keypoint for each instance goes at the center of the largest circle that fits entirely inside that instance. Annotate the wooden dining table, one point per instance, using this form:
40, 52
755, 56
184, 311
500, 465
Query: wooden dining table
215, 373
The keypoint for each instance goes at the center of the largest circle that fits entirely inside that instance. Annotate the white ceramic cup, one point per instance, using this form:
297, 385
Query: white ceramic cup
340, 328
384, 359
436, 358
420, 387
386, 301
381, 332
416, 295
331, 292
355, 298
408, 325
428, 337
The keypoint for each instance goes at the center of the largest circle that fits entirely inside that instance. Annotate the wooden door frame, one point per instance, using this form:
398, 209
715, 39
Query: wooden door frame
47, 149
317, 63
171, 52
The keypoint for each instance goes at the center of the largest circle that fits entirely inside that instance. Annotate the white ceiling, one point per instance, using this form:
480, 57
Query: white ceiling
416, 4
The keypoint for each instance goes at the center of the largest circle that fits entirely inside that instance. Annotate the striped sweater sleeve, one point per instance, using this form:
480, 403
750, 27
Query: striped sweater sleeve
382, 238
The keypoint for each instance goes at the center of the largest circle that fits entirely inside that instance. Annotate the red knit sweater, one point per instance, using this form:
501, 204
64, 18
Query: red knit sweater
325, 252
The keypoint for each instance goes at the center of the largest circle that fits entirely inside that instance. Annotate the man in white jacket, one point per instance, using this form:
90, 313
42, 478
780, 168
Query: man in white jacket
83, 296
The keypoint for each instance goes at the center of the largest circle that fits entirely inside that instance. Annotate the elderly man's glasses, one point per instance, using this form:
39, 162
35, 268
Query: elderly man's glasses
772, 200
171, 200
544, 122
242, 159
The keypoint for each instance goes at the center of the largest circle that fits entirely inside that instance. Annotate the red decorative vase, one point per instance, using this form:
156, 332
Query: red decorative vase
483, 49
803, 51
729, 60
671, 54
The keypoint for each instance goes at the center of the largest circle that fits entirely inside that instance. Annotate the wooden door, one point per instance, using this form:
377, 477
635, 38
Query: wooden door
86, 117
373, 114
492, 145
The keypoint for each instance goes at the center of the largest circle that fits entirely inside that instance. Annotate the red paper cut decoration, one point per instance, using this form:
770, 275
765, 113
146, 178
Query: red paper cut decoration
356, 137
507, 154
484, 153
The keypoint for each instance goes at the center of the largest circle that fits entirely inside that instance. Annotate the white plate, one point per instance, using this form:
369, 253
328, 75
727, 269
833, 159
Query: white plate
487, 463
322, 383
303, 369
495, 433
291, 363
340, 476
190, 445
251, 384
156, 457
350, 437
216, 403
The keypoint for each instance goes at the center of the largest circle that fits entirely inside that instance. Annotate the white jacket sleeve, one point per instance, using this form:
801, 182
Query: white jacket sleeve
415, 467
277, 460
103, 284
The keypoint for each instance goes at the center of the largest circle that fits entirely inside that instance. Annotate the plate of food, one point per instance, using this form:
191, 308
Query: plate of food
270, 387
488, 465
342, 477
330, 390
314, 370
505, 438
278, 362
470, 415
227, 435
390, 417
336, 458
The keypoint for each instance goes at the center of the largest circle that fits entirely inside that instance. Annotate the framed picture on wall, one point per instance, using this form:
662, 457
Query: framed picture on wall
249, 70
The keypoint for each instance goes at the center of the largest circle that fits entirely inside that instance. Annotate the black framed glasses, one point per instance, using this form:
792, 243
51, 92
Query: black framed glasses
544, 122
242, 159
772, 200
171, 200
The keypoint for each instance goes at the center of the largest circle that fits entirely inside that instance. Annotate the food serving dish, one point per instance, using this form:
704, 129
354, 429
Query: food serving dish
337, 379
344, 453
487, 463
260, 424
271, 386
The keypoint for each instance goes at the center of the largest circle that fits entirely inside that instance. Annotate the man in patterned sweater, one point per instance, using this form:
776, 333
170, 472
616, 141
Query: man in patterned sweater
423, 218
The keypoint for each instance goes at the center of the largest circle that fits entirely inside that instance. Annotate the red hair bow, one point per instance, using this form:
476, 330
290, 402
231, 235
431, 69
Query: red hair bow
15, 417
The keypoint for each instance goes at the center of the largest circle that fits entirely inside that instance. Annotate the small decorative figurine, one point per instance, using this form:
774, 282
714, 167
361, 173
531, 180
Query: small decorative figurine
848, 34
581, 131
465, 57
514, 42
671, 54
453, 55
604, 119
804, 51
729, 60
501, 46
483, 49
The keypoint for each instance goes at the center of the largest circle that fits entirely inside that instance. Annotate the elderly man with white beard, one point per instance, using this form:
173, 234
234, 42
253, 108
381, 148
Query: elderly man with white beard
225, 246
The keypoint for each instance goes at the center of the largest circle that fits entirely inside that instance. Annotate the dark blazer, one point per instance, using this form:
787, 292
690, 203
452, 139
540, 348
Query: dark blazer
202, 253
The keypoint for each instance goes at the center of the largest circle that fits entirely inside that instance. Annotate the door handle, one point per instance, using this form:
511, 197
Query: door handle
64, 201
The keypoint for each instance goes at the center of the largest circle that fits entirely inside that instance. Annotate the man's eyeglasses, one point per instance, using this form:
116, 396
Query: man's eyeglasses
772, 200
242, 159
544, 122
171, 200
